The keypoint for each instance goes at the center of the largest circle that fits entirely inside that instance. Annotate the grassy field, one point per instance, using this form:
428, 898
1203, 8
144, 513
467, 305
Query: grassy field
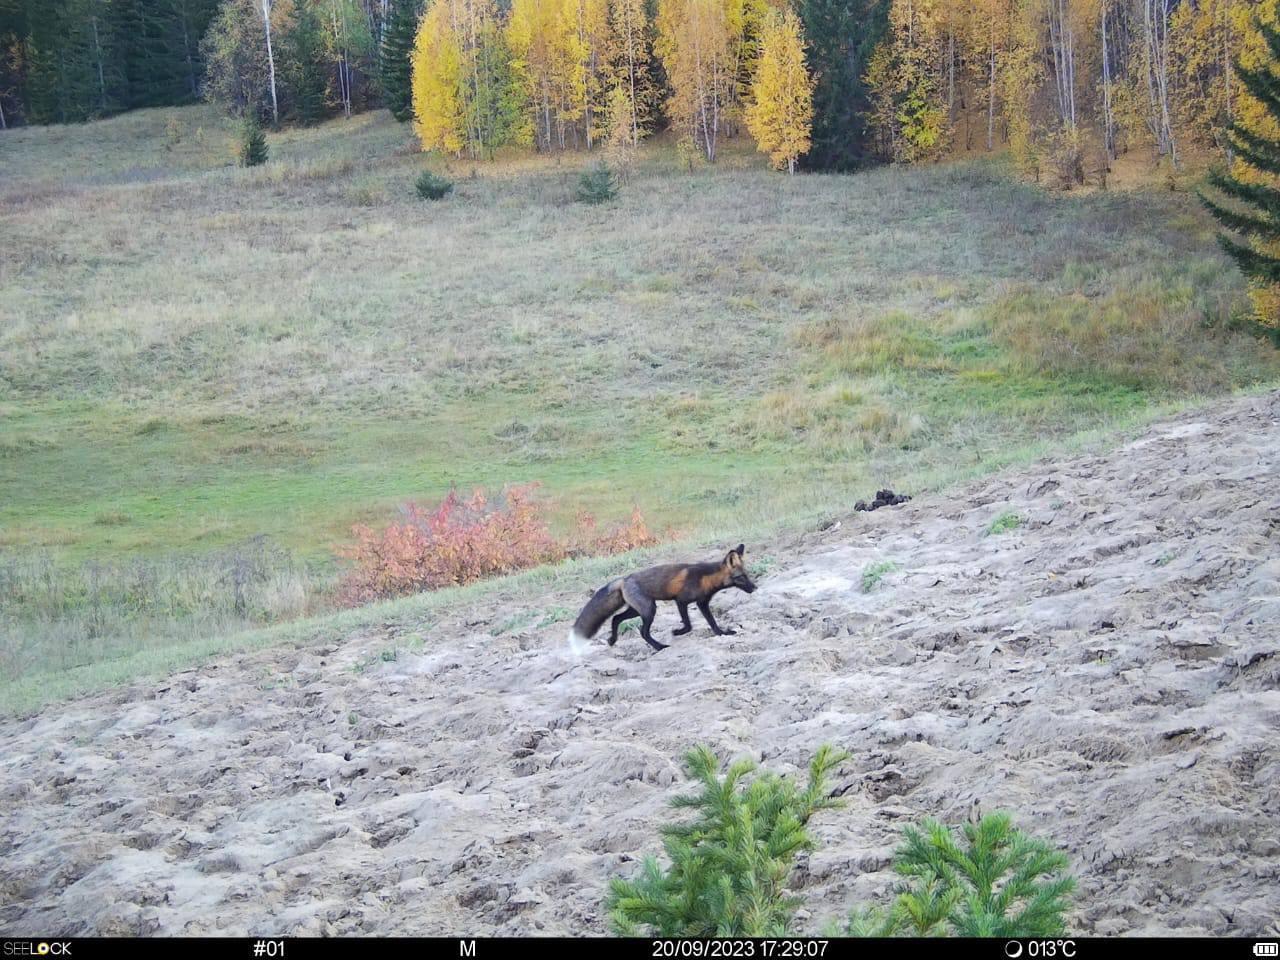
194, 355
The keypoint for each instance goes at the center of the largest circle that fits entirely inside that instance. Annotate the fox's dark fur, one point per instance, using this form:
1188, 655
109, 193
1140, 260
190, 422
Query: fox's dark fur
636, 595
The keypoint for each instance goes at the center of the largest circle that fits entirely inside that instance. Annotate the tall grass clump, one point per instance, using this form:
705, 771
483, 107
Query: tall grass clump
1155, 333
56, 615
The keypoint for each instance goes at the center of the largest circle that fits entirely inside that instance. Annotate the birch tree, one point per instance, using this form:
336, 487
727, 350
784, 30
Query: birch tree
693, 44
1155, 61
271, 60
630, 56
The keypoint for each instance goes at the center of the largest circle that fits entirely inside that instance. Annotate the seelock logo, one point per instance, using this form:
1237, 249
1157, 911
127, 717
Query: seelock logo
37, 948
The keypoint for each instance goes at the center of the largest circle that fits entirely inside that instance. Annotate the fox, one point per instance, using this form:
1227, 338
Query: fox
636, 595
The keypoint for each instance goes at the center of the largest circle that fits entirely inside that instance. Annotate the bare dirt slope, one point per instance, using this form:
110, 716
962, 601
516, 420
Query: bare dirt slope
1108, 671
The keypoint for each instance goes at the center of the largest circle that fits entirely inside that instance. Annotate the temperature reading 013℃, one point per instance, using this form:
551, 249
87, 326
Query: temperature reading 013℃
1035, 949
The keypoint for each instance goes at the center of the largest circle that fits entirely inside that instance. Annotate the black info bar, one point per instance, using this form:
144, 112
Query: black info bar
567, 948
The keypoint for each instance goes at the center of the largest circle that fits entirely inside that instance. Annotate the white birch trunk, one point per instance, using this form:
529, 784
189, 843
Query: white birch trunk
271, 61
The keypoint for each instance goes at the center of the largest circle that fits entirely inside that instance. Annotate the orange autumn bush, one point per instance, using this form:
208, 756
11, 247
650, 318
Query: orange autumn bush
460, 541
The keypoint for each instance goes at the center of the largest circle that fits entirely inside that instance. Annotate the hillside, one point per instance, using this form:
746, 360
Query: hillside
1090, 643
206, 370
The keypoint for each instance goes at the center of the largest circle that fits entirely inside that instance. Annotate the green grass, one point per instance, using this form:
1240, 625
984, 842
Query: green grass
192, 355
1007, 521
409, 617
873, 573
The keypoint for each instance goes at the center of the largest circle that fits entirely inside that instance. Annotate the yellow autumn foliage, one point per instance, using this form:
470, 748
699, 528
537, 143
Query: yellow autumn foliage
439, 118
780, 114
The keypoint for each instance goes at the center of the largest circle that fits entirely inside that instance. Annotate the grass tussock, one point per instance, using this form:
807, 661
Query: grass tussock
895, 342
1153, 333
57, 615
874, 573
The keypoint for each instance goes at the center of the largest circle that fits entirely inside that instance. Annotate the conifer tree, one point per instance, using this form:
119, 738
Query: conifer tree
1253, 215
781, 110
729, 867
307, 66
1000, 883
185, 23
58, 82
397, 50
13, 31
841, 36
253, 142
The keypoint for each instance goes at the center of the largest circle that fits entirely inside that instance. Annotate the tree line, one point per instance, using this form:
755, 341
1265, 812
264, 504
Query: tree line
65, 61
830, 84
538, 72
580, 74
69, 60
1050, 77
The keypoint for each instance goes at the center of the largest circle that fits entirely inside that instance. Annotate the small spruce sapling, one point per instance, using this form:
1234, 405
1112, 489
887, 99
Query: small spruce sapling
729, 867
430, 186
1001, 883
253, 142
596, 184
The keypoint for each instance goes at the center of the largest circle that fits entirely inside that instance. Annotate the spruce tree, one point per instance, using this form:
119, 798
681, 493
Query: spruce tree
1255, 216
397, 46
730, 867
253, 142
307, 64
840, 36
1000, 883
60, 84
596, 184
13, 31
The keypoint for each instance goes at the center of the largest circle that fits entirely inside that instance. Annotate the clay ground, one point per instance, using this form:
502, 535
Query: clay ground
1105, 668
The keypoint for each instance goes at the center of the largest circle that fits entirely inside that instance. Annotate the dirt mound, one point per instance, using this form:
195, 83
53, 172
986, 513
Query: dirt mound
1103, 662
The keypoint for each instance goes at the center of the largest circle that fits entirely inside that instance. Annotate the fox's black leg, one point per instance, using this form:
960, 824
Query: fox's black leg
648, 637
644, 606
618, 621
711, 620
686, 626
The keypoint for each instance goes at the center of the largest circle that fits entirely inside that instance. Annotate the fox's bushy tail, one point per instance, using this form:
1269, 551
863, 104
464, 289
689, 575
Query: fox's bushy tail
603, 604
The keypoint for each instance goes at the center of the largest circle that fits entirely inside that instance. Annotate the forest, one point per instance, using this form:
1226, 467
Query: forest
1066, 86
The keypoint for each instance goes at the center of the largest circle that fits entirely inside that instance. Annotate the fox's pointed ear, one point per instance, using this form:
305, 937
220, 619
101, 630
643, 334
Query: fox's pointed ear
740, 550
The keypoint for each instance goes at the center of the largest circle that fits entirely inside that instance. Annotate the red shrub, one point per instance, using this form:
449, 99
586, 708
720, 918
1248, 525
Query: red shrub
628, 536
461, 541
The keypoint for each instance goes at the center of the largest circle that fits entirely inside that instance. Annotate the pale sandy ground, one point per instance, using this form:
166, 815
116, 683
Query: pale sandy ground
1108, 672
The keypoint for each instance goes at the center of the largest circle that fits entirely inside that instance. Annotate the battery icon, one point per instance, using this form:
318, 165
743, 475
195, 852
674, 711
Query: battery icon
1266, 949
